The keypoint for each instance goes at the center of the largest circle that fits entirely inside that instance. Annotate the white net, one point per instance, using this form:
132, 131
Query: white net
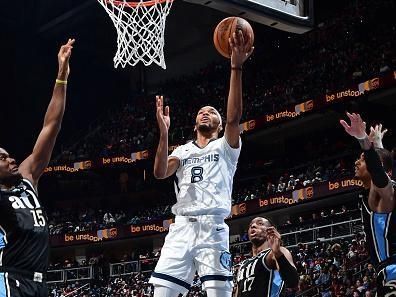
140, 30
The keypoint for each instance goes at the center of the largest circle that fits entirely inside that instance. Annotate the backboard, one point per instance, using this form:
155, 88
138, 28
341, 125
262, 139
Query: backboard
294, 16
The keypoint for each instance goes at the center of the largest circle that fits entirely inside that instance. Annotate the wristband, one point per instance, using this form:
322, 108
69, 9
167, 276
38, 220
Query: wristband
361, 138
287, 272
364, 142
237, 68
61, 82
374, 166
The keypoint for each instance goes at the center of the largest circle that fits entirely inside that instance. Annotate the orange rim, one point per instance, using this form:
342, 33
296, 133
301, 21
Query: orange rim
136, 3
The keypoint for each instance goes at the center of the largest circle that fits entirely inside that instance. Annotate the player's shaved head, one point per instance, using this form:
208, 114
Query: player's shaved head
9, 173
267, 222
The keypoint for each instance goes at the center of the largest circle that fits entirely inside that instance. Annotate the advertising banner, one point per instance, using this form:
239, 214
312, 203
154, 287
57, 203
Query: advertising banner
261, 204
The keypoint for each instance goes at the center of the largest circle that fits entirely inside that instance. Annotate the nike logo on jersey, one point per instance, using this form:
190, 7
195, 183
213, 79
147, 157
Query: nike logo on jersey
219, 228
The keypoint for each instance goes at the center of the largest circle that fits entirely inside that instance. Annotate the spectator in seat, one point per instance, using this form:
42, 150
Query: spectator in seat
370, 271
324, 277
281, 185
291, 183
270, 189
108, 219
318, 178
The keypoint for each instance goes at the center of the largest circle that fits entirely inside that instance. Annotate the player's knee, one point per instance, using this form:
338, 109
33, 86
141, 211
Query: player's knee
161, 291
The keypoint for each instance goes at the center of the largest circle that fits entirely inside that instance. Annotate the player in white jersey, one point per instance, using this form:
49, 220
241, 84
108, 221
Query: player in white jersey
198, 240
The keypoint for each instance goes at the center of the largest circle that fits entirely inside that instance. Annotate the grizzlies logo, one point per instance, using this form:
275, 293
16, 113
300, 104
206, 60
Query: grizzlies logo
225, 260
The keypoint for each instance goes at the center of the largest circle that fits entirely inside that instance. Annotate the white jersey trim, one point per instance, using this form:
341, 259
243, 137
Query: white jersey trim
7, 284
271, 279
263, 260
374, 239
386, 235
31, 185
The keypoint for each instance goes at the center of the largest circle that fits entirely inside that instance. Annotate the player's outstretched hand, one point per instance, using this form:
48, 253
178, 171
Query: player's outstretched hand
63, 59
241, 50
163, 117
357, 128
274, 240
376, 135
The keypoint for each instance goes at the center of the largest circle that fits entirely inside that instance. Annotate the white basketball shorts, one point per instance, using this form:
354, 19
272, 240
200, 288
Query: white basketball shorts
195, 243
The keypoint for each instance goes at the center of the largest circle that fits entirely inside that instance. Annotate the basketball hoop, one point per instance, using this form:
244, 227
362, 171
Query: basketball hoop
140, 29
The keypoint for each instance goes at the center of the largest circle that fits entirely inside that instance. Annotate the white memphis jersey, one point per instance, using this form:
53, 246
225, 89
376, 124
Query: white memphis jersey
204, 178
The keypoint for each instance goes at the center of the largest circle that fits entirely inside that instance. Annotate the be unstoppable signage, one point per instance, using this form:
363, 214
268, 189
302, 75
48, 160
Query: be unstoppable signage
262, 204
115, 233
291, 112
291, 198
294, 111
98, 163
102, 162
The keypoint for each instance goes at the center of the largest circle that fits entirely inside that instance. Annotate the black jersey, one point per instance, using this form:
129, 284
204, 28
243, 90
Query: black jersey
24, 239
255, 279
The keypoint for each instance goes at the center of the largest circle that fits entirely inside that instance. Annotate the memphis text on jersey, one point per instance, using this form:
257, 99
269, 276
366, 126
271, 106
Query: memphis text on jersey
203, 159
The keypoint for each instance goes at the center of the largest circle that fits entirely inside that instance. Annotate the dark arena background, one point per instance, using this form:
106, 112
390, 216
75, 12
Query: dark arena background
108, 215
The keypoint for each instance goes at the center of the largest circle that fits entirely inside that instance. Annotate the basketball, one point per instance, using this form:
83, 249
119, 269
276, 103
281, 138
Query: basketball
225, 30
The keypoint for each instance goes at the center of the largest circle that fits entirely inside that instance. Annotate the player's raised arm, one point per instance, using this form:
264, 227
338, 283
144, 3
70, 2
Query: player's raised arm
241, 51
376, 135
34, 165
163, 166
381, 186
282, 258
